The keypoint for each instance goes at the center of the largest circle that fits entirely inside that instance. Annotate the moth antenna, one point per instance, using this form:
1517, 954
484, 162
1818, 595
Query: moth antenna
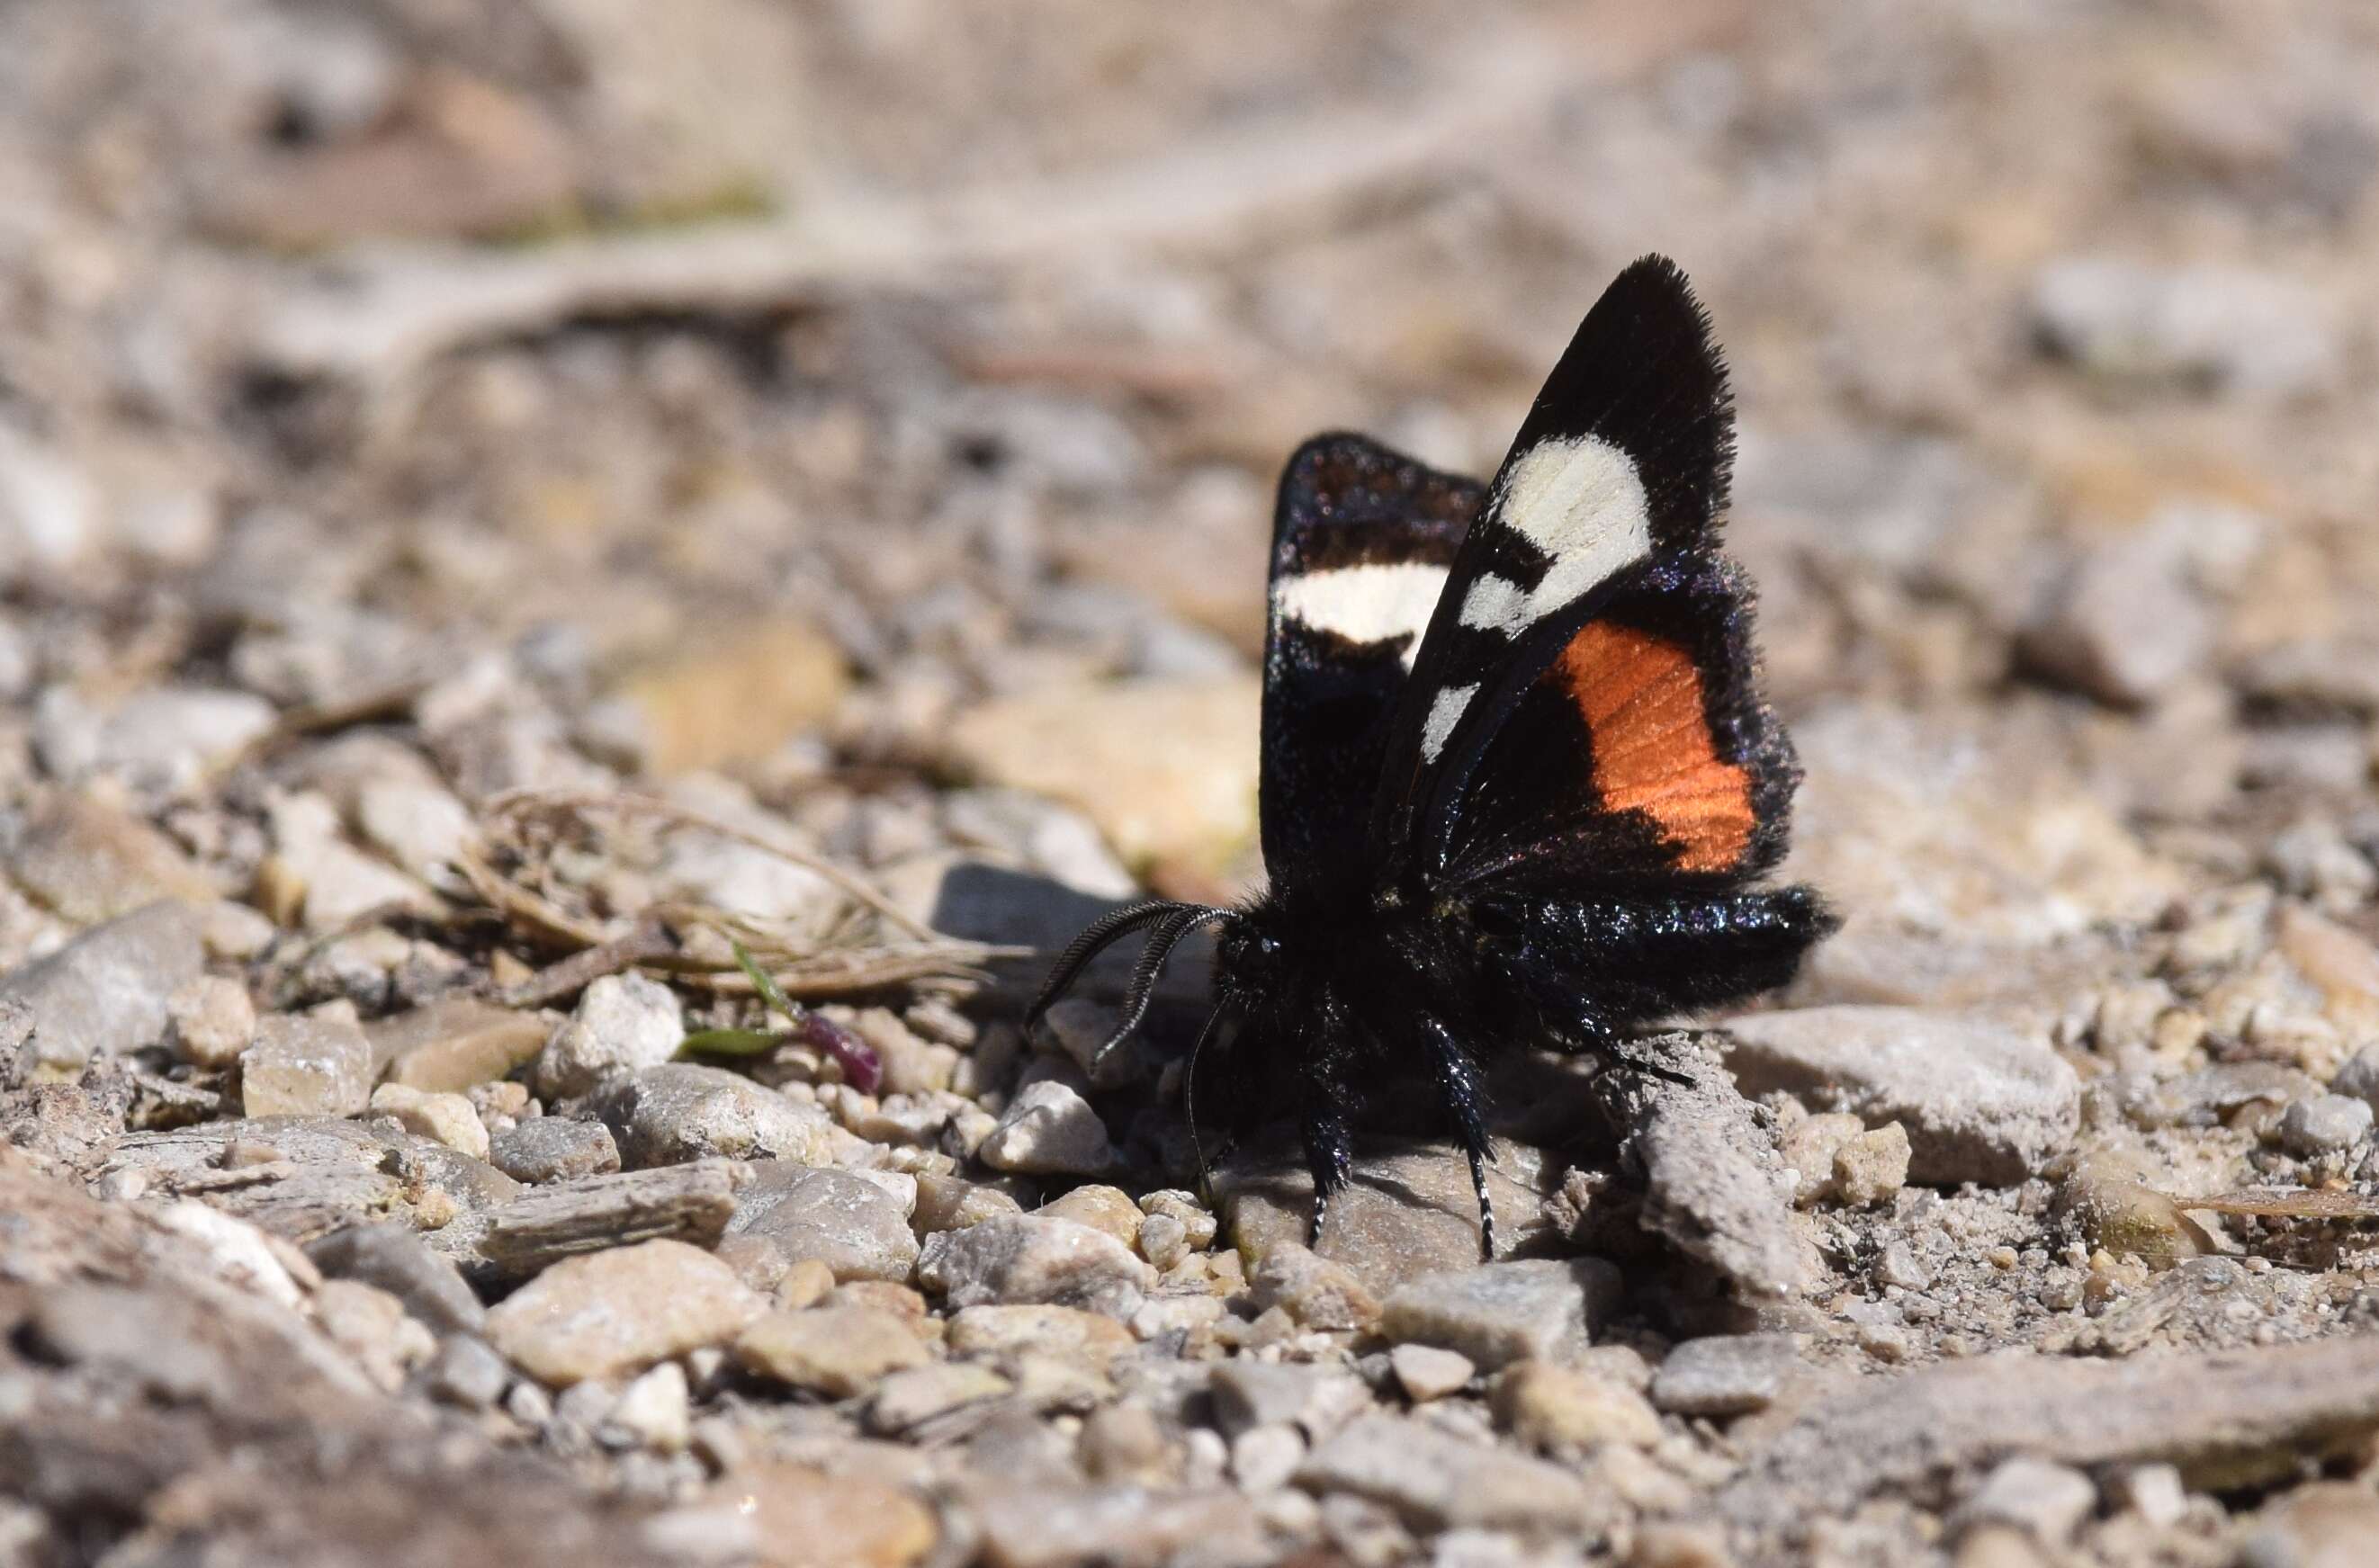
1190, 1102
1185, 919
1096, 938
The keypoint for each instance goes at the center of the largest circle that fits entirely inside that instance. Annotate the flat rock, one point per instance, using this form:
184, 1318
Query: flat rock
547, 1149
623, 1023
1130, 1527
1726, 1375
836, 1351
1425, 1372
1560, 1407
90, 862
846, 1221
2227, 1419
455, 1043
1068, 1333
307, 1064
392, 1258
797, 1517
680, 1111
1436, 1481
105, 992
1980, 1102
1715, 1186
1029, 1260
1409, 1213
906, 1400
1535, 1309
1249, 1393
614, 1313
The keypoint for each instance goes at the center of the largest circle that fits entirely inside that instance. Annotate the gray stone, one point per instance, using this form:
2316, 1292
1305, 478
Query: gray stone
1054, 1525
1728, 1375
468, 1373
2234, 330
394, 1260
2327, 1124
1437, 1482
106, 991
547, 1149
1249, 1393
679, 1111
1537, 1309
846, 1221
2124, 622
1030, 1259
2360, 1076
419, 826
1979, 1101
1714, 1184
171, 737
1048, 1129
909, 1399
307, 1064
623, 1023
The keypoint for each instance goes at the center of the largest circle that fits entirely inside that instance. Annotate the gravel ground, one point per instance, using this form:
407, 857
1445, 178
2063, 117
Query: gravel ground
500, 504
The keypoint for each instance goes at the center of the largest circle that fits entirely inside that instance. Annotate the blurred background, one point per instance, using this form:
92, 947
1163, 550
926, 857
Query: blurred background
862, 418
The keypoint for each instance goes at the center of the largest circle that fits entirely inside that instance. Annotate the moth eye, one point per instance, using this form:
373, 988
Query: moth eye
1268, 945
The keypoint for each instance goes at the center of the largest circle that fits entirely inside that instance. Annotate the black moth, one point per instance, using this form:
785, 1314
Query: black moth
1519, 784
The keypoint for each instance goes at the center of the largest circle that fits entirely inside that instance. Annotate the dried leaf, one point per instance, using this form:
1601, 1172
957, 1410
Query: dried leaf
2284, 1202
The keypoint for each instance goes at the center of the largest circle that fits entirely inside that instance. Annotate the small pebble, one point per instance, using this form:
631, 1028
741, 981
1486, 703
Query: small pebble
449, 1118
210, 1021
1048, 1129
544, 1148
1426, 1372
467, 1373
2327, 1124
1900, 1265
653, 1411
622, 1023
1725, 1375
2049, 1500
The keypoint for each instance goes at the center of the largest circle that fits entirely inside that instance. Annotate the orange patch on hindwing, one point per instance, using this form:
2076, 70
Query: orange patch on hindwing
1641, 697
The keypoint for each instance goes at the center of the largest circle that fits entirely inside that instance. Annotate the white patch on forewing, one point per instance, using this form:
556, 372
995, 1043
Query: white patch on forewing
1365, 604
1582, 503
1443, 715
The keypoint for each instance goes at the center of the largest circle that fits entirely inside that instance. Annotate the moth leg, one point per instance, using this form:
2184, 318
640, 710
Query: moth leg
1466, 1098
1329, 1153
